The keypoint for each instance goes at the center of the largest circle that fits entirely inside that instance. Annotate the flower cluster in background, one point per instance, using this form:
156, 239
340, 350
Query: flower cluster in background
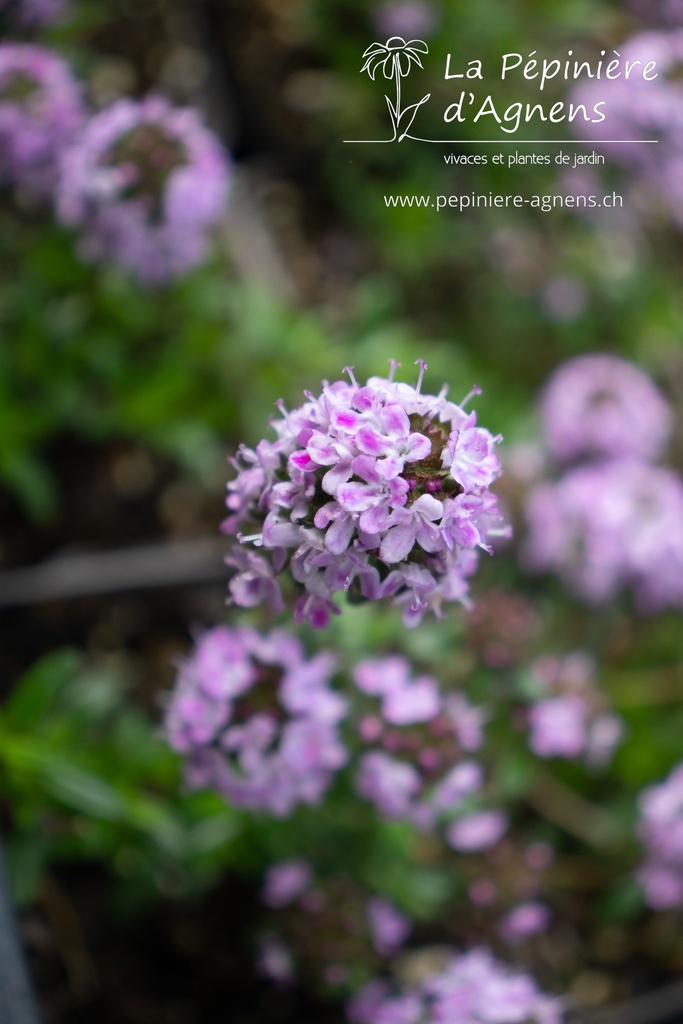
257, 721
470, 986
569, 717
613, 519
643, 117
415, 764
143, 183
379, 491
661, 832
41, 110
507, 886
331, 929
598, 407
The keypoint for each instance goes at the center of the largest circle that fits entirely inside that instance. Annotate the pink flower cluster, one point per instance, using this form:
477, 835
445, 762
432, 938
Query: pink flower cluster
644, 109
328, 926
600, 406
413, 767
604, 527
144, 184
569, 719
472, 987
257, 721
661, 831
506, 890
613, 519
40, 112
376, 490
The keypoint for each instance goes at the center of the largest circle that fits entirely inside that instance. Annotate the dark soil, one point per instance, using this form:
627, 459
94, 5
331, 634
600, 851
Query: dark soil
173, 964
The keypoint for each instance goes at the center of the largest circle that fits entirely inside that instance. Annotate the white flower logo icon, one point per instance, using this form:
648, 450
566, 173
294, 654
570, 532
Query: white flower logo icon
396, 58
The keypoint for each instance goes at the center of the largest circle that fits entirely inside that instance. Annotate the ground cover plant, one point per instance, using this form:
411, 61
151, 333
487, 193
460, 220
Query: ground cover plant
387, 731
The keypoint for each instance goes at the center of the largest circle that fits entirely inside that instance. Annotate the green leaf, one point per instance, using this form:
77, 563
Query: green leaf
82, 791
95, 695
213, 833
32, 483
37, 692
427, 893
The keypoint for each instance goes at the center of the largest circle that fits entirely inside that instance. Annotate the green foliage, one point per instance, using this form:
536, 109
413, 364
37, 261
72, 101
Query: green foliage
88, 776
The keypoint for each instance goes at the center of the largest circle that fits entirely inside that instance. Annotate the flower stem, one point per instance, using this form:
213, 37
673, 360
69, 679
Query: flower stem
398, 94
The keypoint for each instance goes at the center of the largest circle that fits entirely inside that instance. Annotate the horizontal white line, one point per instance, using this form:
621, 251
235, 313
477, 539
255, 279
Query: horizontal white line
514, 142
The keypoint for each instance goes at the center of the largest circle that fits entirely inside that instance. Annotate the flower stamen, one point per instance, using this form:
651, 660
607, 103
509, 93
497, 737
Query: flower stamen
423, 366
349, 370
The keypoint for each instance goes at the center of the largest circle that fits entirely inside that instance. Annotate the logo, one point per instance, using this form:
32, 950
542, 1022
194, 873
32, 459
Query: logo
616, 84
395, 59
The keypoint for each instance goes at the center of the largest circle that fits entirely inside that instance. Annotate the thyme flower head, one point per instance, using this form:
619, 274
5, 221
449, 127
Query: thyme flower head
256, 720
40, 111
375, 490
145, 185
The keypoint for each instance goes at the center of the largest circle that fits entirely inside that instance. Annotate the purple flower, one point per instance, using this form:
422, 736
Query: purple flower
35, 12
408, 526
661, 831
404, 701
471, 458
388, 927
472, 987
569, 719
275, 961
477, 831
460, 782
257, 721
335, 927
407, 18
605, 732
600, 405
285, 882
145, 184
390, 784
421, 793
558, 727
378, 490
40, 111
610, 525
523, 921
467, 720
639, 108
414, 769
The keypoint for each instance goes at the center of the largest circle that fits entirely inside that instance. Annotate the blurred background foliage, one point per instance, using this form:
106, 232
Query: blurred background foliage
119, 406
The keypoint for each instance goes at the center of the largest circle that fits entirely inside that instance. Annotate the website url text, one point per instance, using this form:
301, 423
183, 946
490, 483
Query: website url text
473, 200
